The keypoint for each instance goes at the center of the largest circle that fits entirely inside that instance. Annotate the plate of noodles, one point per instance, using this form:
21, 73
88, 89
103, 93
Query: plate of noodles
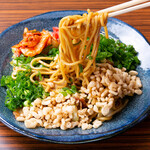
73, 79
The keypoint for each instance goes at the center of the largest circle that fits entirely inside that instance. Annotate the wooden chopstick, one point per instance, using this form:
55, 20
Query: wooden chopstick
123, 5
119, 12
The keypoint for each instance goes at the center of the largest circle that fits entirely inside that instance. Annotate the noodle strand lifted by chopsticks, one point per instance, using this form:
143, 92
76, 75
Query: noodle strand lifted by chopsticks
75, 45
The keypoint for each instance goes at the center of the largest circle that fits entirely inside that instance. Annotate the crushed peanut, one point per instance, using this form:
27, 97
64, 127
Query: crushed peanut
107, 85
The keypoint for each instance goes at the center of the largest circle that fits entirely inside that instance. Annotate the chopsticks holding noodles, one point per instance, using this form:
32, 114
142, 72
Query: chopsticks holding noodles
125, 7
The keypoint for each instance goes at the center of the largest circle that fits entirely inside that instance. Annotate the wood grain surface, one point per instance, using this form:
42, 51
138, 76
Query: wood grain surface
14, 11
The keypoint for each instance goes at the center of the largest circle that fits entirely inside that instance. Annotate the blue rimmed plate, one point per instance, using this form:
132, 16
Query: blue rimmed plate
136, 110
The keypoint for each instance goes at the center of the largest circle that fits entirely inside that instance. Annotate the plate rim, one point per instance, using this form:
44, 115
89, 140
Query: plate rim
118, 131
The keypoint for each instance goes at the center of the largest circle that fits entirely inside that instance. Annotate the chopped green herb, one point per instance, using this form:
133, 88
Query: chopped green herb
89, 57
71, 80
26, 103
73, 88
39, 75
88, 38
64, 93
120, 54
22, 61
53, 52
67, 90
21, 91
81, 68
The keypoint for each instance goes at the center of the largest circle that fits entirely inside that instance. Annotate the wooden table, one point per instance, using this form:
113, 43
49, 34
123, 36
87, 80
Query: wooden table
14, 11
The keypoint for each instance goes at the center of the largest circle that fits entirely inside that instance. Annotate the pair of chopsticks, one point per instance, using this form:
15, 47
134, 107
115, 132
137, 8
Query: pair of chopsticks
125, 7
